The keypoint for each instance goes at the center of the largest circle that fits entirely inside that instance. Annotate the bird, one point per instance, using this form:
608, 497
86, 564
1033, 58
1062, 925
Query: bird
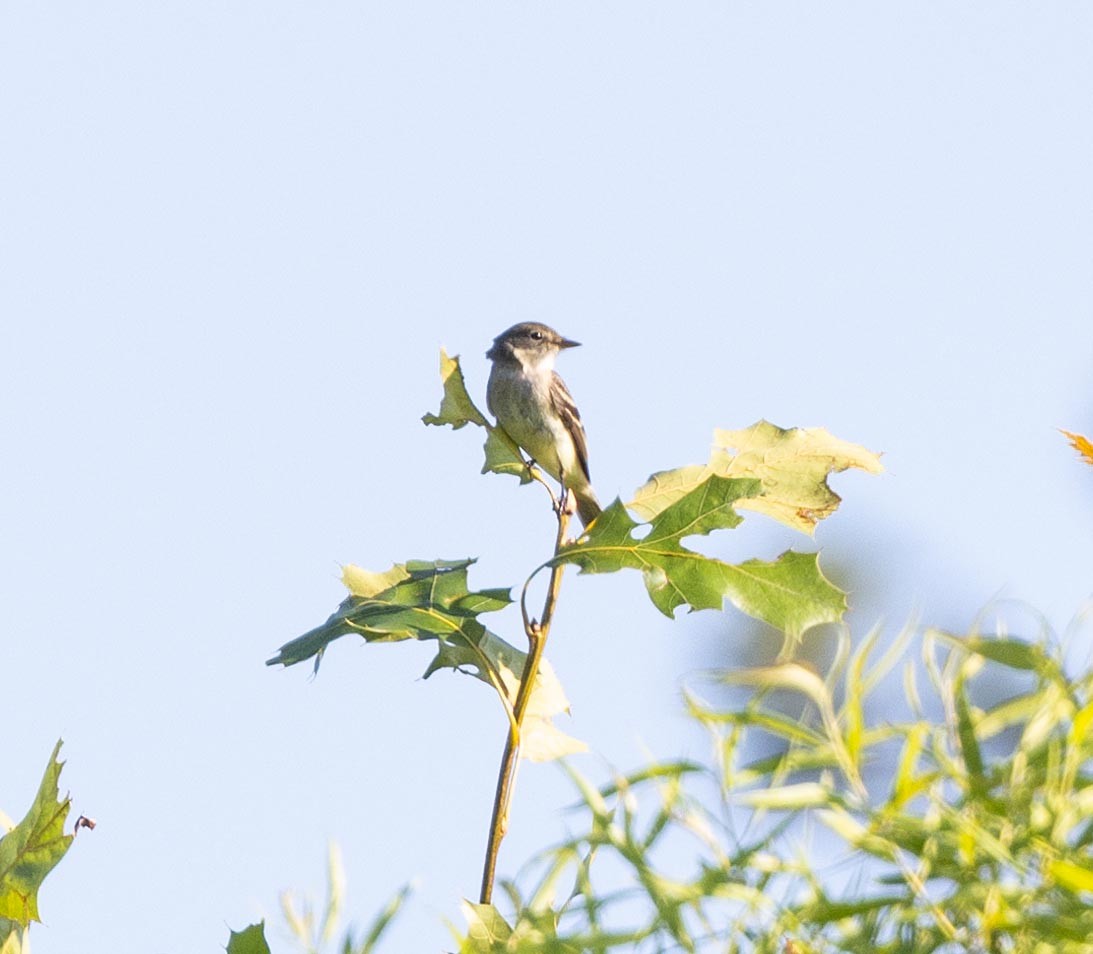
534, 407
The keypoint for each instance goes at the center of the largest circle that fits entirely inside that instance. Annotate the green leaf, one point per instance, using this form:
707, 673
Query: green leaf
251, 940
674, 576
503, 455
382, 921
487, 930
969, 744
426, 600
792, 466
33, 847
456, 407
791, 593
1012, 653
788, 797
415, 600
854, 704
907, 782
825, 910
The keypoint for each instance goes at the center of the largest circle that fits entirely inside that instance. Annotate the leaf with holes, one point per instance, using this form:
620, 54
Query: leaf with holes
790, 593
791, 465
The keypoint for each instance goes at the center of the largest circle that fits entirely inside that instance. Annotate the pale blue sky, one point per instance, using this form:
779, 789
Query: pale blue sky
233, 237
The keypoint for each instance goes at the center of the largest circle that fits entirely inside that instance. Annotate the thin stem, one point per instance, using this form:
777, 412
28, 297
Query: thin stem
537, 632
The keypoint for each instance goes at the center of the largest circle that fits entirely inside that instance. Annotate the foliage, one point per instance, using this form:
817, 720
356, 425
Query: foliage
782, 473
28, 852
789, 593
961, 824
976, 824
315, 931
430, 600
791, 465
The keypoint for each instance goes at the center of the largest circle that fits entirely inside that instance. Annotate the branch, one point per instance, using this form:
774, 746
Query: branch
537, 632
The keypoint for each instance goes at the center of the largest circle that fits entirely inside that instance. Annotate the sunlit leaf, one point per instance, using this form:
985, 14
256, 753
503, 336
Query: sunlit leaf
502, 455
976, 839
366, 584
792, 466
486, 928
905, 783
1071, 876
33, 848
13, 939
790, 593
795, 676
773, 722
787, 797
854, 705
456, 407
1079, 735
430, 600
1055, 708
1013, 712
415, 600
854, 832
490, 659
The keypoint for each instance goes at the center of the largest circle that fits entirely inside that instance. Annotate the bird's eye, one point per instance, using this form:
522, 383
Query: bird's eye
537, 335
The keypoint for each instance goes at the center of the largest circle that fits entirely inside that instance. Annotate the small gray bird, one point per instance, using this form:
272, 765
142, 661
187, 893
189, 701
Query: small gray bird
534, 407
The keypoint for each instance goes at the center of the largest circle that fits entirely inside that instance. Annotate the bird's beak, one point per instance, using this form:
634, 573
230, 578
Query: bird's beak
566, 343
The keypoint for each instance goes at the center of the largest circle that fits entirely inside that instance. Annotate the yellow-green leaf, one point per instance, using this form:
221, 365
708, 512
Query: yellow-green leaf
495, 662
33, 848
788, 797
792, 466
502, 454
456, 406
486, 928
1071, 876
366, 584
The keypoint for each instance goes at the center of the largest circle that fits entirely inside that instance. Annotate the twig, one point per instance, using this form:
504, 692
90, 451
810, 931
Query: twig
537, 632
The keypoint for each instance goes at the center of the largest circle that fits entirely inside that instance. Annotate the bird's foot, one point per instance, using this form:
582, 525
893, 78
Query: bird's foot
567, 503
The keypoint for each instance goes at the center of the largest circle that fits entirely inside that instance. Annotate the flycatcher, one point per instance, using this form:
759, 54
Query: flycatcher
534, 407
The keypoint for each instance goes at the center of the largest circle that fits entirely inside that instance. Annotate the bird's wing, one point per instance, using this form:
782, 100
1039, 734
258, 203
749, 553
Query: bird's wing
571, 417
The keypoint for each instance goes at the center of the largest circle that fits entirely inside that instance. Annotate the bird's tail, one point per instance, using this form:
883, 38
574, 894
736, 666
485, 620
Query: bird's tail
588, 507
